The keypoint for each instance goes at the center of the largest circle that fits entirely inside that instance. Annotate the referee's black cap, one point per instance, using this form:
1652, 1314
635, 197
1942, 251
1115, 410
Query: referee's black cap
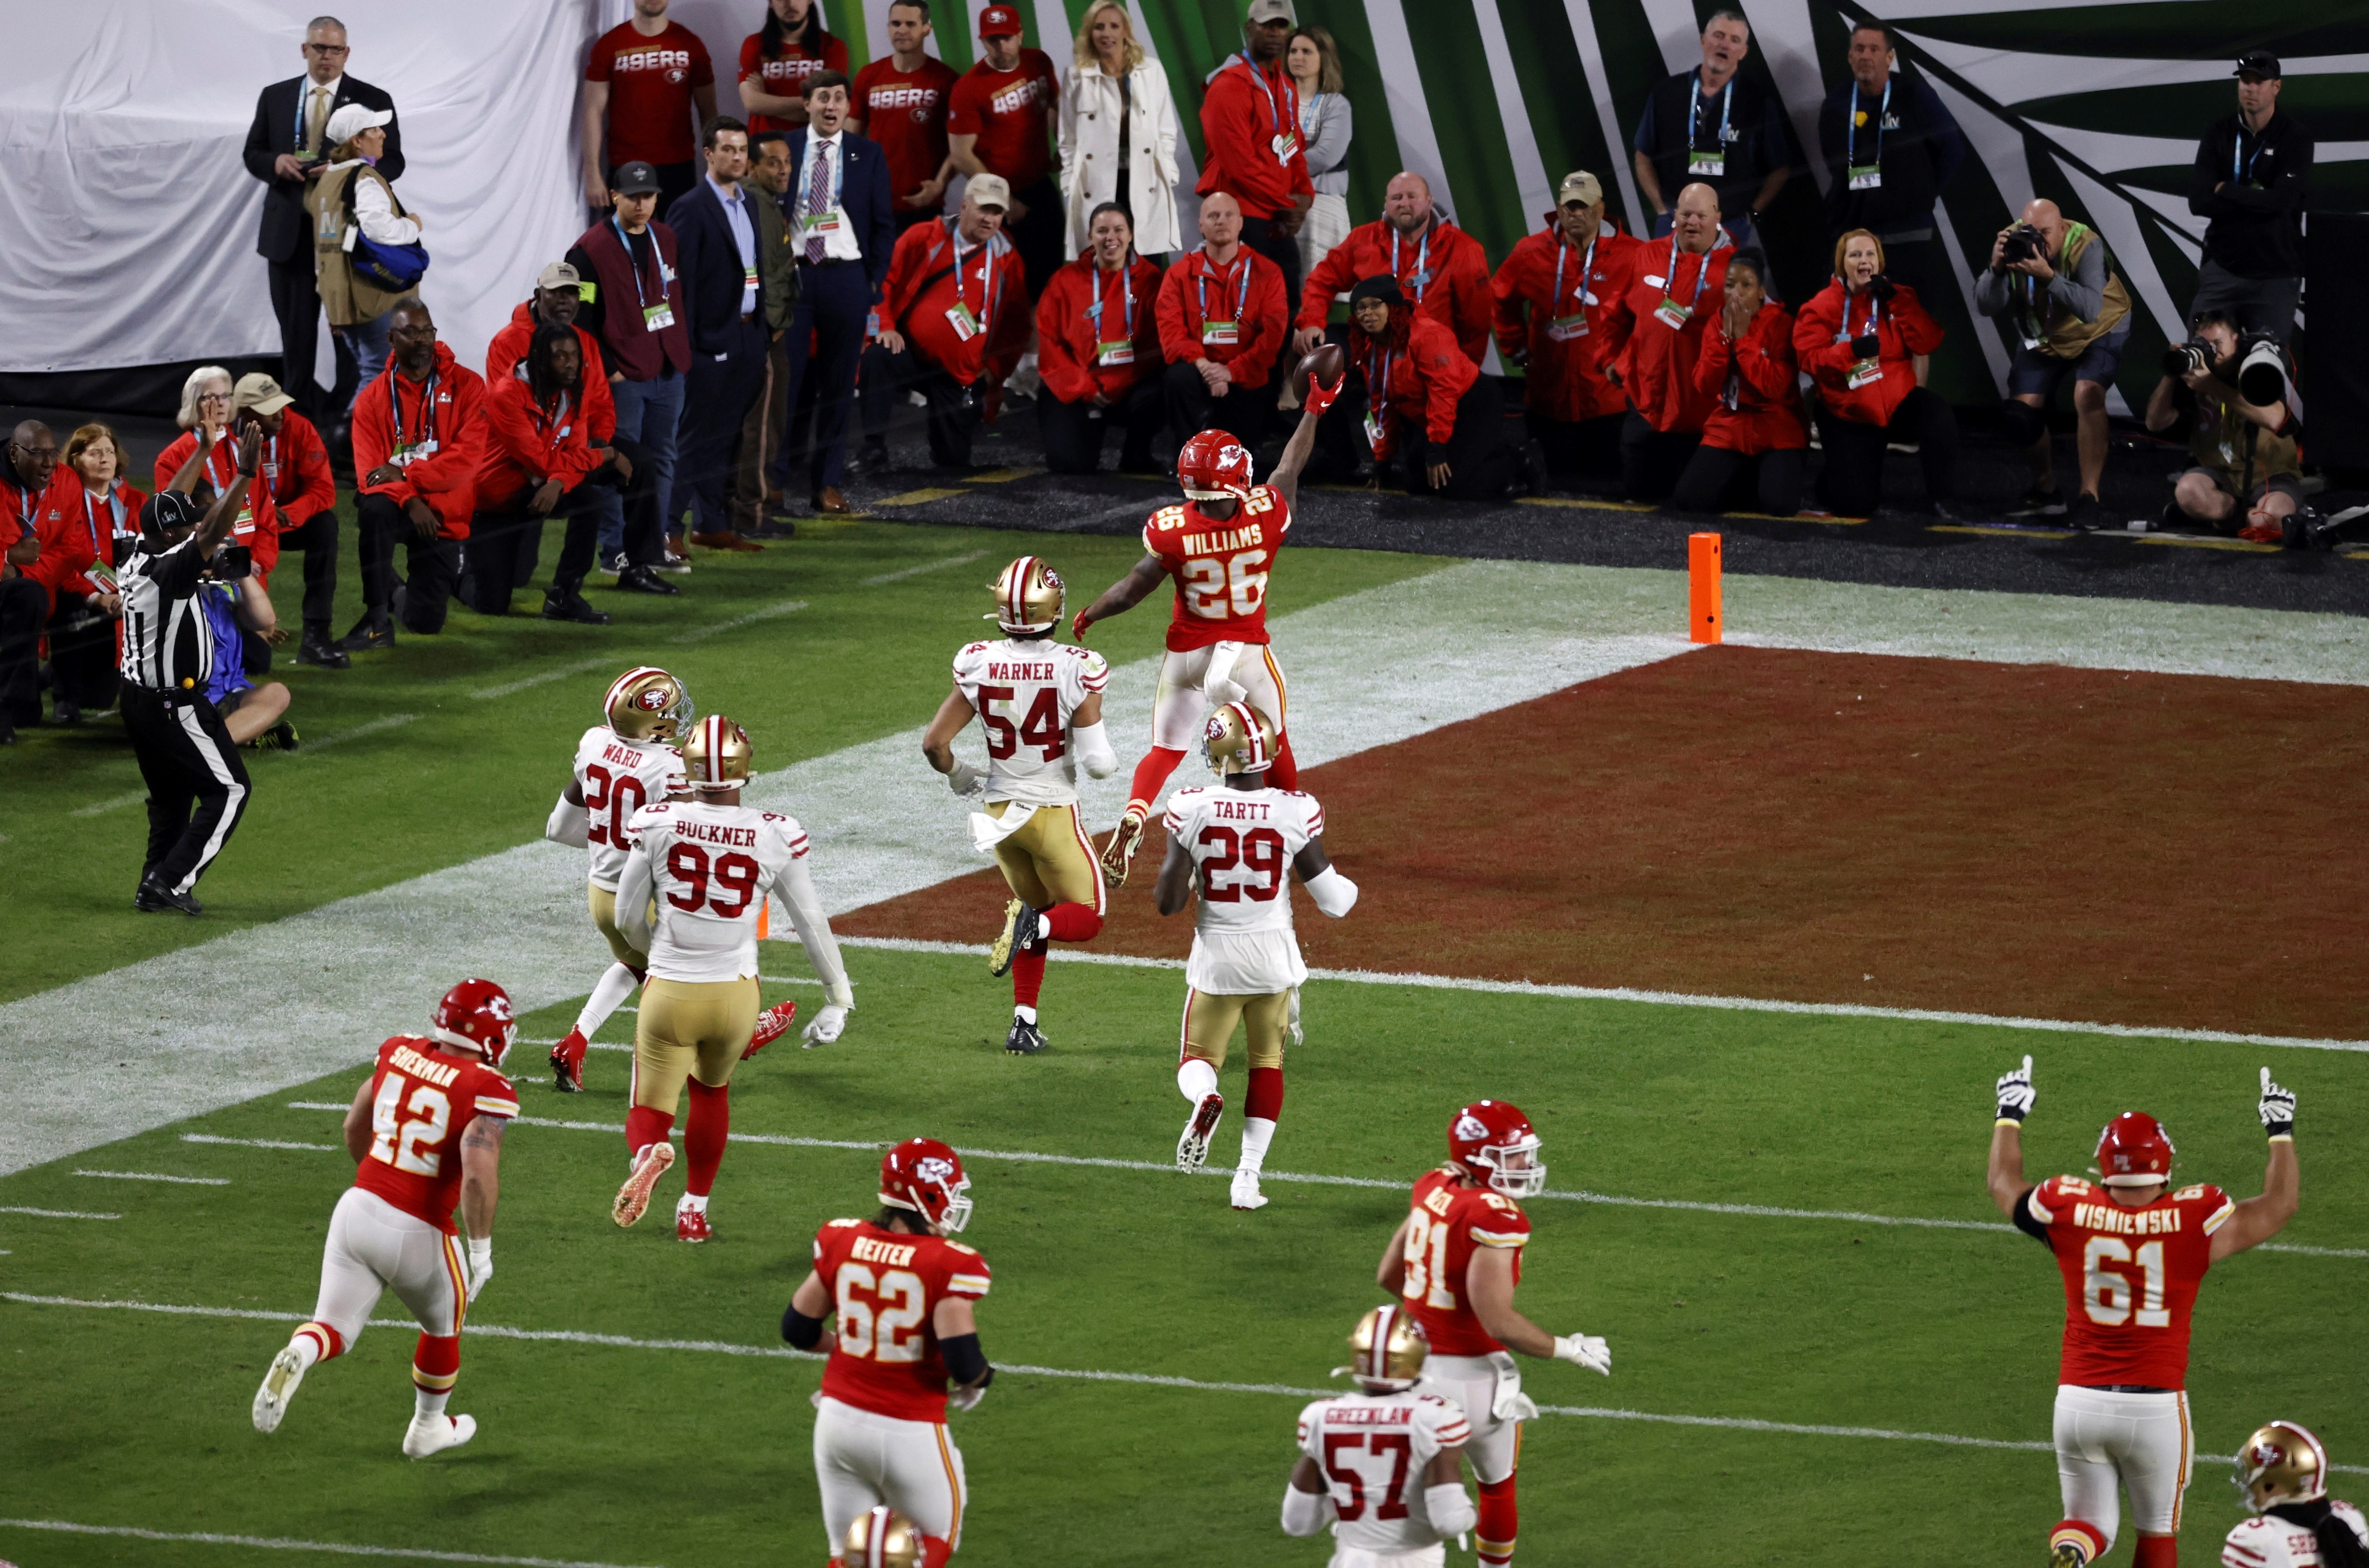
167, 512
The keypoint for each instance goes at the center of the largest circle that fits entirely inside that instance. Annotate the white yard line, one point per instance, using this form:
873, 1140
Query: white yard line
262, 1143
582, 667
376, 727
153, 1176
1095, 1375
276, 1543
717, 628
937, 565
59, 1214
113, 803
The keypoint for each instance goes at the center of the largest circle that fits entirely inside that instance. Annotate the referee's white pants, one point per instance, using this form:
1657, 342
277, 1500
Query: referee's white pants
2143, 1441
374, 1246
862, 1460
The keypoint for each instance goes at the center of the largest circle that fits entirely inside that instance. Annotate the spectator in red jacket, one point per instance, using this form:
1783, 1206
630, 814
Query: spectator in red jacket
539, 459
1250, 126
1552, 295
999, 122
1427, 404
1224, 317
954, 320
43, 502
296, 471
1438, 267
203, 457
1098, 347
417, 431
1652, 340
25, 478
100, 516
1859, 339
1754, 441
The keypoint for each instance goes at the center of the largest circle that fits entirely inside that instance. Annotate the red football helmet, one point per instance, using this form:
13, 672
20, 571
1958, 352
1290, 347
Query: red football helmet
2134, 1151
1492, 1142
1213, 467
926, 1176
476, 1015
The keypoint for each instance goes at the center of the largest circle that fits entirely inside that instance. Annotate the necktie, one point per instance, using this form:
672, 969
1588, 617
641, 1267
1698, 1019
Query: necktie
818, 198
316, 119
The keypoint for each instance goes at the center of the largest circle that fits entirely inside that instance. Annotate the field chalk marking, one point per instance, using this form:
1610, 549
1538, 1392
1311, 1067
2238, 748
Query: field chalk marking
717, 628
60, 1214
261, 1142
581, 666
925, 567
154, 1176
275, 1543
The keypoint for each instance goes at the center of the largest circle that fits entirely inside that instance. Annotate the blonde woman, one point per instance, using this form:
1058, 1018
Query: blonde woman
1314, 62
1118, 134
353, 195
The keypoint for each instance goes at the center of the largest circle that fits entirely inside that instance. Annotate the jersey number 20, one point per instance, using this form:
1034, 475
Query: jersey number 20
620, 797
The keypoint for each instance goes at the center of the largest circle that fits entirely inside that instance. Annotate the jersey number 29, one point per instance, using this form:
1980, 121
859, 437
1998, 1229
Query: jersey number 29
1259, 851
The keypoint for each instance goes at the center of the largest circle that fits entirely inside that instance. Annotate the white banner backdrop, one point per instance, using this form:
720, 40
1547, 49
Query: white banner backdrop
131, 221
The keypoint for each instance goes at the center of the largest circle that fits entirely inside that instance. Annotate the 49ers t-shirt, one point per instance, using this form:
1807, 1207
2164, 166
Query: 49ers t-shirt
784, 75
905, 111
1011, 112
650, 83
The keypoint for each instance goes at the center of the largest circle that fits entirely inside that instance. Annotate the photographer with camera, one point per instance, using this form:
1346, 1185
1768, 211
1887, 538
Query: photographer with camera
2243, 451
187, 756
2051, 278
236, 608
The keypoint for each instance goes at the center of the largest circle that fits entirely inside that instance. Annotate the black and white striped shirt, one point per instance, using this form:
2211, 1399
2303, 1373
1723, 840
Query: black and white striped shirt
166, 645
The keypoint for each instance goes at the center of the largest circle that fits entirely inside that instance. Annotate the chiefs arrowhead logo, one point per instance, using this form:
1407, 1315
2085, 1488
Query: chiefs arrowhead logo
933, 1169
1472, 1128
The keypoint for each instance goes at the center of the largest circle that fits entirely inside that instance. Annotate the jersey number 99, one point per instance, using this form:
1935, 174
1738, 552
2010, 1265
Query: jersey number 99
734, 873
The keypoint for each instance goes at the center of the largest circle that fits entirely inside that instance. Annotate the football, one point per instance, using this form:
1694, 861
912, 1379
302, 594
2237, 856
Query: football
1327, 362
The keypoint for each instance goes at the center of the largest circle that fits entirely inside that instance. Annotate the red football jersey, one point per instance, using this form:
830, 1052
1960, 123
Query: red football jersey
1011, 112
650, 83
421, 1102
884, 1289
784, 75
2130, 1276
1220, 568
1448, 1220
906, 113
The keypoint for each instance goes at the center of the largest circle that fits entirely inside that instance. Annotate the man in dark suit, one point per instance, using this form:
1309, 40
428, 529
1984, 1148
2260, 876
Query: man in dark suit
843, 223
287, 148
719, 254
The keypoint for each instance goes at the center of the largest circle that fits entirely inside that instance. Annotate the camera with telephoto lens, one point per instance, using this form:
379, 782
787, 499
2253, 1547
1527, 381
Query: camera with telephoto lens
2181, 358
2262, 378
2024, 243
231, 563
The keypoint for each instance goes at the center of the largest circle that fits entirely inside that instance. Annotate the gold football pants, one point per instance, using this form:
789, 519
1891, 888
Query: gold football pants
1049, 860
605, 921
687, 1029
1209, 1023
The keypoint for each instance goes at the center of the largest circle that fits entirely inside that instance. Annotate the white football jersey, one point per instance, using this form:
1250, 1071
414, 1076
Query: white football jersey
1024, 692
711, 869
617, 778
1241, 842
2276, 1543
1372, 1449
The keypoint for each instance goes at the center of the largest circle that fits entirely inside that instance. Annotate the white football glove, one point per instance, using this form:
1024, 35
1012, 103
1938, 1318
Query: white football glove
2016, 1093
1584, 1350
965, 780
827, 1026
2277, 1109
1223, 690
480, 1267
967, 1399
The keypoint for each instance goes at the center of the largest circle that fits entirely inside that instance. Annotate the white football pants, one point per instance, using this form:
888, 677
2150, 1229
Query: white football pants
1472, 1383
1180, 706
2142, 1440
374, 1246
862, 1460
1432, 1556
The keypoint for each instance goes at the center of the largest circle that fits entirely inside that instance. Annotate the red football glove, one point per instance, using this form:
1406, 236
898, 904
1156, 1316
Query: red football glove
1320, 396
1078, 625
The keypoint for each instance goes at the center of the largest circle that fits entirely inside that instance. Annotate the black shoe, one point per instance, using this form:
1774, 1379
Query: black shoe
871, 459
1022, 924
63, 712
2038, 502
281, 737
641, 579
1025, 1039
153, 897
2085, 514
571, 606
373, 631
1948, 512
319, 649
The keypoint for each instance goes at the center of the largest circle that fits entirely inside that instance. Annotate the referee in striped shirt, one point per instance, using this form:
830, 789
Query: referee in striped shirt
187, 756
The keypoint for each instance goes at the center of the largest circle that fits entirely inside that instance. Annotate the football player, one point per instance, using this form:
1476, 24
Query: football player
1385, 1466
1455, 1261
1041, 706
2281, 1475
1236, 841
1218, 547
425, 1130
2132, 1252
696, 877
893, 1297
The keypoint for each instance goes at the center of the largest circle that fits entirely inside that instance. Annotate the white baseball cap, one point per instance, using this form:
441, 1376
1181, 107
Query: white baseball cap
351, 120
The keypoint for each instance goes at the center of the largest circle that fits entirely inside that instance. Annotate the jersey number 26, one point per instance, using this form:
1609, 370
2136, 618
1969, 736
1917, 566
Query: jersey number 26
1212, 588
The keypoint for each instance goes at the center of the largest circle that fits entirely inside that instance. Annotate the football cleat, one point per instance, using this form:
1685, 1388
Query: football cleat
771, 1025
1022, 927
1025, 1039
2067, 1554
633, 1199
433, 1434
1246, 1194
568, 1063
1119, 850
280, 1385
691, 1225
1193, 1148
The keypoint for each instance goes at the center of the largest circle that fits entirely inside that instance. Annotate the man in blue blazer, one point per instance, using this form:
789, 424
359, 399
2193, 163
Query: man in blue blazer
843, 223
719, 256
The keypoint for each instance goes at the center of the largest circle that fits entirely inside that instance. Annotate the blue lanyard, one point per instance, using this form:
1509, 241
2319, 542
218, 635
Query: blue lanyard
1422, 279
1850, 126
1310, 112
631, 264
1274, 115
986, 264
1126, 297
1703, 276
1694, 110
1874, 315
394, 405
1201, 278
2237, 145
1587, 264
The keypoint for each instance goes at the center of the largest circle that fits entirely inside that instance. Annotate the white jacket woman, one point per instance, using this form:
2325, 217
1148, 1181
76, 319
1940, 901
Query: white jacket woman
1114, 86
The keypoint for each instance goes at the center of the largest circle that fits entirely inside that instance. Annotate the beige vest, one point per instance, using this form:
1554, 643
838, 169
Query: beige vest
2069, 336
346, 296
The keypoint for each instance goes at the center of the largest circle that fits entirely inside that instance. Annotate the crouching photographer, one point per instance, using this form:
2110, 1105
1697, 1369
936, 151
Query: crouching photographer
2050, 276
2231, 390
231, 598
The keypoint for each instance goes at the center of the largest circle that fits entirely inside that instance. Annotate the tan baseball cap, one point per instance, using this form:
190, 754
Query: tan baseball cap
1581, 186
989, 191
558, 275
1272, 11
260, 393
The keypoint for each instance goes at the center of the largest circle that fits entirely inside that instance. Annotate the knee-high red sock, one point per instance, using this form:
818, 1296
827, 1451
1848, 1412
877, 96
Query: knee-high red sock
2157, 1551
2082, 1536
1265, 1097
1492, 1538
1071, 922
1027, 974
644, 1126
436, 1364
935, 1549
1150, 774
704, 1134
1284, 772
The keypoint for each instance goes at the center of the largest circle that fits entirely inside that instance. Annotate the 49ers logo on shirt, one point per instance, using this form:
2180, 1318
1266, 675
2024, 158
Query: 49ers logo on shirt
1013, 99
922, 101
675, 63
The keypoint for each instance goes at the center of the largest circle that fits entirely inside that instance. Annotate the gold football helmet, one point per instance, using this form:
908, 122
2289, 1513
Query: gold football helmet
1028, 596
1237, 739
646, 703
2280, 1463
1387, 1350
882, 1537
715, 754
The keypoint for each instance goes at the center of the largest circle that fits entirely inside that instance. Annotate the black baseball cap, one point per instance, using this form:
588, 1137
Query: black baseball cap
167, 512
636, 179
2258, 63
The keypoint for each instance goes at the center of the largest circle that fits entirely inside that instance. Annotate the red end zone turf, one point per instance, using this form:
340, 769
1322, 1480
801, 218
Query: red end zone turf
2163, 850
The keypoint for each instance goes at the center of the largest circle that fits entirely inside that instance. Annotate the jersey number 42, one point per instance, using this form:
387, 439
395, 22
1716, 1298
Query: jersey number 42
413, 1144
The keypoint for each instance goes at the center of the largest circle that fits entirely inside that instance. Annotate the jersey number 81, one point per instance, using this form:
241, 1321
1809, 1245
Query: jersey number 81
1427, 1262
